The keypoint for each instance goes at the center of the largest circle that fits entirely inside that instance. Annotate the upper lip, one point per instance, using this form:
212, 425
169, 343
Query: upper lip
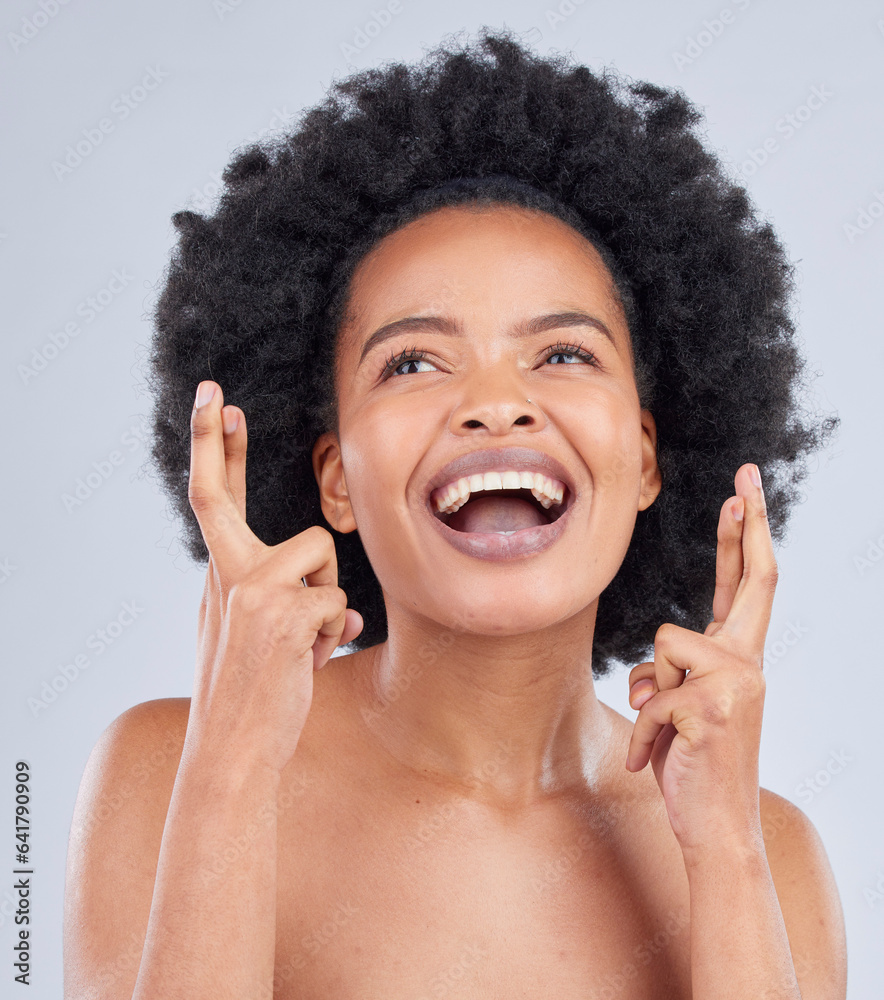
499, 460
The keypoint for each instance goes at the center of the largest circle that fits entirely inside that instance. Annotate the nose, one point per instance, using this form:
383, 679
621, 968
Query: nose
497, 410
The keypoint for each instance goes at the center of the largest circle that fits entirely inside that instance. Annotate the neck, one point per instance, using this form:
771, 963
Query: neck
512, 718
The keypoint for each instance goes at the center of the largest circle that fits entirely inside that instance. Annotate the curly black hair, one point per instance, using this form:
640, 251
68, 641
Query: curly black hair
255, 293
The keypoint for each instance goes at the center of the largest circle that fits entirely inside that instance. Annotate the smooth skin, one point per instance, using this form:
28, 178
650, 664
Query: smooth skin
460, 786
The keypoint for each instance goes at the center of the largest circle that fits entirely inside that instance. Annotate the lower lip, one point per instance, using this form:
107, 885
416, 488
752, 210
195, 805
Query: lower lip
499, 548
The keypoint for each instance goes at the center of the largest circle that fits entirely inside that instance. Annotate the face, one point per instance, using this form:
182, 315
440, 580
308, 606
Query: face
491, 448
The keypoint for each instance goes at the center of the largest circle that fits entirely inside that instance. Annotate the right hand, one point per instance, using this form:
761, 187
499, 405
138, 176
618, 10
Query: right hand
262, 633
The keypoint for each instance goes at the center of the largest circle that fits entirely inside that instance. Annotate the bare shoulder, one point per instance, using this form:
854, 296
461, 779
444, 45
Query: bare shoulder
115, 838
128, 779
140, 748
808, 897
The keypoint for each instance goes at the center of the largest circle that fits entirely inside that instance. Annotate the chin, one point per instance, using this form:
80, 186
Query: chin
500, 614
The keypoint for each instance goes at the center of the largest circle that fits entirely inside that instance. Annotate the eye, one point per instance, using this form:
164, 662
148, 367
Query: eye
570, 354
406, 363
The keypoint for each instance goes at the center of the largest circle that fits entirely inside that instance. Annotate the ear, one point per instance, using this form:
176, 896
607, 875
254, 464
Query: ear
329, 471
652, 481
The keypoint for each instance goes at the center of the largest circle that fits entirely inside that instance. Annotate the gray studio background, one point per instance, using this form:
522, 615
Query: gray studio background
793, 97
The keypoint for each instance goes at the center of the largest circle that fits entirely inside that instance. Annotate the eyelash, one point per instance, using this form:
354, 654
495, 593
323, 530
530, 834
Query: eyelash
414, 354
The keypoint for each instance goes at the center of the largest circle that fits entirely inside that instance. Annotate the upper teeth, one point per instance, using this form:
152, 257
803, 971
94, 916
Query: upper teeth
452, 497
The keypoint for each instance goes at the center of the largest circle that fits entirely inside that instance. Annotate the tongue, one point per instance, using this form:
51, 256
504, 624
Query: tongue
495, 513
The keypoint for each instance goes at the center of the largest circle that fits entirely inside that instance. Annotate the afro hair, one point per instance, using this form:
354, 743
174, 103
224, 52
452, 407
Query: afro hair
256, 290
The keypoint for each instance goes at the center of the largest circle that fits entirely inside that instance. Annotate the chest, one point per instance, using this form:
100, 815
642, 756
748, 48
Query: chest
435, 902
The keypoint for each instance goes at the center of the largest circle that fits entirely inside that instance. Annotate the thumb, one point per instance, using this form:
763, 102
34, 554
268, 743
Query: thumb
325, 645
352, 627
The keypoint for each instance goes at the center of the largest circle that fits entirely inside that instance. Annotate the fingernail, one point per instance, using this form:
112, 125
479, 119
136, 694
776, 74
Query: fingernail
204, 392
230, 419
640, 694
755, 475
738, 510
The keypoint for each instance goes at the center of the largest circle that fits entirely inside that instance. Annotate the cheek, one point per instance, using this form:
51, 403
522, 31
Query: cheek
379, 450
607, 432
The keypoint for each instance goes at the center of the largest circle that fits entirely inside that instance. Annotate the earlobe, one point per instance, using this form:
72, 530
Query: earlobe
329, 471
652, 480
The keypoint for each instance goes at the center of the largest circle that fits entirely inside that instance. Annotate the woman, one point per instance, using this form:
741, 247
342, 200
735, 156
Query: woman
506, 328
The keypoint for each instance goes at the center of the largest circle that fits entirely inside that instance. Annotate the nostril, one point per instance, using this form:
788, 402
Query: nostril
524, 419
472, 423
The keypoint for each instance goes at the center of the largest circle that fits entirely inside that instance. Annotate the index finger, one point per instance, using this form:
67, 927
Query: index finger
224, 530
749, 615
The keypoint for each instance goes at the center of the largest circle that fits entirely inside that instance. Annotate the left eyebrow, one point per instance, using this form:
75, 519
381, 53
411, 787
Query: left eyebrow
438, 324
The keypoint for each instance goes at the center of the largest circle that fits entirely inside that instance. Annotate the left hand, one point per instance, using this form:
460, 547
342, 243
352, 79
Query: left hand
700, 700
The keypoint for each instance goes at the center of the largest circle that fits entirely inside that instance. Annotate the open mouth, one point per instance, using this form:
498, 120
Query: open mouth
501, 512
501, 503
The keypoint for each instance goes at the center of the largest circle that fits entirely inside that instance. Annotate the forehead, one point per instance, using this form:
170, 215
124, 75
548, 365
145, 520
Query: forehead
497, 257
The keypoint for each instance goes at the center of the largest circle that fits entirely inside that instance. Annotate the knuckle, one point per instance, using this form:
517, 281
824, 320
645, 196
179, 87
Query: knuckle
767, 574
753, 681
716, 711
214, 522
250, 596
317, 533
200, 497
325, 601
201, 424
240, 596
665, 635
701, 740
315, 603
